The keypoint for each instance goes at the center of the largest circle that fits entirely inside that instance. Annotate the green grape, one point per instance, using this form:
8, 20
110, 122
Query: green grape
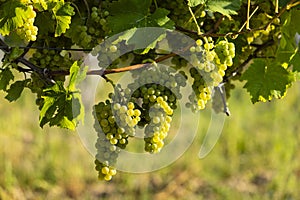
51, 60
209, 65
157, 95
28, 31
114, 123
157, 129
90, 33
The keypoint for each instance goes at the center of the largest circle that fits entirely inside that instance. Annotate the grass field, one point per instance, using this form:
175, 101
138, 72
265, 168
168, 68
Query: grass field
256, 157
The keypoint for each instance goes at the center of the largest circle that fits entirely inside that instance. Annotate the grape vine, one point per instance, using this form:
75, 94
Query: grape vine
46, 41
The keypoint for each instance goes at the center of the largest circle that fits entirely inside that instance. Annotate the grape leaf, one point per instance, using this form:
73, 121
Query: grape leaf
63, 106
290, 25
129, 22
45, 23
283, 3
13, 14
224, 7
266, 80
127, 14
51, 98
193, 3
16, 89
57, 108
63, 13
76, 76
288, 51
146, 38
295, 61
5, 77
64, 116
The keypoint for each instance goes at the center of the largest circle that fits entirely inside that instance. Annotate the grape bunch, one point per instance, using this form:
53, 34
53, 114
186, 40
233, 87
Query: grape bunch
28, 31
156, 91
51, 59
90, 31
209, 63
157, 130
114, 124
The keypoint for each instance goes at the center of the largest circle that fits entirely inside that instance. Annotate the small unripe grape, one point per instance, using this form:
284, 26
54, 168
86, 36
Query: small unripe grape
113, 48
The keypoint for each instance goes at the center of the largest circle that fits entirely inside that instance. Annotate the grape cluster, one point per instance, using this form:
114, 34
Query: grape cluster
106, 172
28, 31
91, 31
157, 130
209, 63
202, 93
157, 81
158, 90
225, 52
114, 124
51, 59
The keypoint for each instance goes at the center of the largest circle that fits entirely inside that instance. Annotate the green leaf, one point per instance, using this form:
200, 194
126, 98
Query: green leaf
5, 77
63, 13
13, 14
224, 7
40, 6
295, 61
146, 38
193, 3
76, 76
66, 123
160, 19
265, 81
63, 107
290, 25
127, 14
54, 99
45, 23
64, 115
77, 107
288, 50
130, 22
16, 89
49, 102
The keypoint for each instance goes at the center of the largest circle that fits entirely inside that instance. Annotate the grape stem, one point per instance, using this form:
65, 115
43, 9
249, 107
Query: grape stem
195, 20
248, 16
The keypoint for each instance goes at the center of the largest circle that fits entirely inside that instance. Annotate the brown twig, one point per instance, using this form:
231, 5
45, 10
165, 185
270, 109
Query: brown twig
103, 72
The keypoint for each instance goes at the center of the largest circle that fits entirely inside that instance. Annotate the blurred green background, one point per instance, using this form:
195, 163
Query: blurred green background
256, 157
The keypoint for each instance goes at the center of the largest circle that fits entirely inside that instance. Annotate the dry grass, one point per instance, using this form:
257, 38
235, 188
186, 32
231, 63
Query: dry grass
257, 157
